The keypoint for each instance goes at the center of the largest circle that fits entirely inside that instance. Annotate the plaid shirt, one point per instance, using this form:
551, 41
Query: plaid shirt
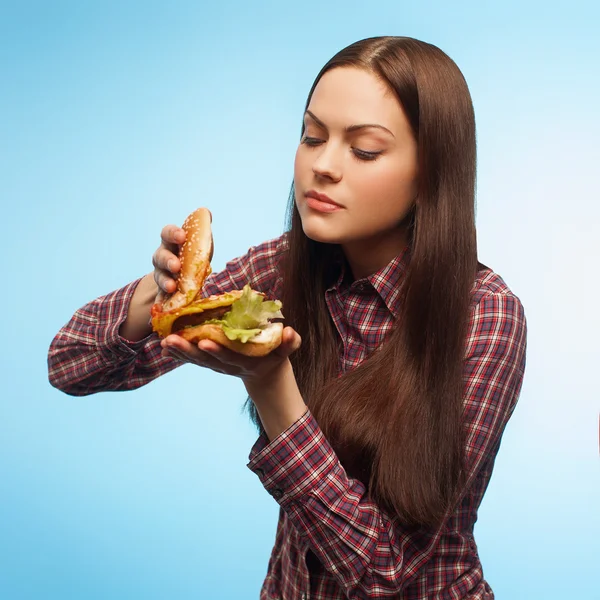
332, 542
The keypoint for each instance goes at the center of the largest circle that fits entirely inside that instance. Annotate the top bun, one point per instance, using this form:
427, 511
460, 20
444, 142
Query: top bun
195, 256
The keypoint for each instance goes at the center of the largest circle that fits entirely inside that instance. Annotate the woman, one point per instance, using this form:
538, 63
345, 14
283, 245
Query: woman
381, 413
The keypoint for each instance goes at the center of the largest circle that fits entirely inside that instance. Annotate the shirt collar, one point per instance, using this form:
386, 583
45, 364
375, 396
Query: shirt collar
386, 282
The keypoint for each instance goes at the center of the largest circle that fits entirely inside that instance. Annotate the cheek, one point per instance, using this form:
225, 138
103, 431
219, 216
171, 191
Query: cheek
298, 162
387, 185
299, 173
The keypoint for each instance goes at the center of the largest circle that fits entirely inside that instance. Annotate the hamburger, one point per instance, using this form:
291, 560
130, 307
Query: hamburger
241, 320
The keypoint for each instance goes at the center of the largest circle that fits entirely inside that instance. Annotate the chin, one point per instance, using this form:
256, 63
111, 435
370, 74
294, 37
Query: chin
321, 232
321, 239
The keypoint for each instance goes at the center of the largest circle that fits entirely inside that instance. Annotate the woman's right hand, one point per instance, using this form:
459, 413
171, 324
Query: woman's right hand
166, 266
165, 260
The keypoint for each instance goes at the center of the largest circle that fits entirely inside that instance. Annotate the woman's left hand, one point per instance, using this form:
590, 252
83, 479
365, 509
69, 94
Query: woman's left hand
252, 370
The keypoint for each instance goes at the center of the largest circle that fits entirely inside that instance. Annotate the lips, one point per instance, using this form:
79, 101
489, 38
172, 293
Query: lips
322, 198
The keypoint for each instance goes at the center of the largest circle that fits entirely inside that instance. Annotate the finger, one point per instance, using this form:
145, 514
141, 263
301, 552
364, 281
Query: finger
166, 284
290, 342
179, 354
227, 356
202, 359
292, 338
166, 260
178, 343
171, 234
166, 264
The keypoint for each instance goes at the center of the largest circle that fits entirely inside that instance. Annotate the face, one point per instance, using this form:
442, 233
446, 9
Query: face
358, 150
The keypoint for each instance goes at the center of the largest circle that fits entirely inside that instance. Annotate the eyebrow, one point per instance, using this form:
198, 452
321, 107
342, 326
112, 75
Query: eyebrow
350, 128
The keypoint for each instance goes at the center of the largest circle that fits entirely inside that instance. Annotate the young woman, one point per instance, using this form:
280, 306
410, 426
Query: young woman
381, 413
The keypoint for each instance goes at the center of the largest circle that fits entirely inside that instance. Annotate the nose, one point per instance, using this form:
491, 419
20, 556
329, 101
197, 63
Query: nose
327, 163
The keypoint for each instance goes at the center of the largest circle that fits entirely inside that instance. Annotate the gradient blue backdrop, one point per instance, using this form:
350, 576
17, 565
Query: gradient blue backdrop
117, 118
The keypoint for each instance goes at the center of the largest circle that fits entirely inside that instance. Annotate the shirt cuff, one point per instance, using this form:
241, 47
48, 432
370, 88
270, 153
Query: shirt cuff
294, 463
111, 314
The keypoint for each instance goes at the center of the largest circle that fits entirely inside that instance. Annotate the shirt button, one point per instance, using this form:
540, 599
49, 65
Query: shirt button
277, 494
259, 472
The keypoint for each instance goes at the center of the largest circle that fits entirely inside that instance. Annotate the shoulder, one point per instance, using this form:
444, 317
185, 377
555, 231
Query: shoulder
488, 282
490, 289
497, 313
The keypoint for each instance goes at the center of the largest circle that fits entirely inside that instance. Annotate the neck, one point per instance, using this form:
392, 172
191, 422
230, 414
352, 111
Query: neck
370, 255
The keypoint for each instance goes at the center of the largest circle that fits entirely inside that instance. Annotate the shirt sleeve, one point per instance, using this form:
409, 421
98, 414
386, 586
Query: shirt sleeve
88, 355
366, 549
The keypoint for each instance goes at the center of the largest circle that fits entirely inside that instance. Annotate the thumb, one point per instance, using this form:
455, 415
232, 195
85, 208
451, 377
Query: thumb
290, 342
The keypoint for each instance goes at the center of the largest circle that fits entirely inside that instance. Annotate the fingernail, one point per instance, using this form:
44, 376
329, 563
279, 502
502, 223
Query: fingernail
171, 264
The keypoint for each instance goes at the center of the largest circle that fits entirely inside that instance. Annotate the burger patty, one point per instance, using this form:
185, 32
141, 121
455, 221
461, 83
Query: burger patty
199, 318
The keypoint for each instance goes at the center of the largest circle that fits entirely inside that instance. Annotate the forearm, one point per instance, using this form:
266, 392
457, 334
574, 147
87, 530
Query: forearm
88, 355
137, 324
278, 402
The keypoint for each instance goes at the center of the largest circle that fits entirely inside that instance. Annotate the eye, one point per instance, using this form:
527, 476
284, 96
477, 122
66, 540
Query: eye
364, 155
311, 141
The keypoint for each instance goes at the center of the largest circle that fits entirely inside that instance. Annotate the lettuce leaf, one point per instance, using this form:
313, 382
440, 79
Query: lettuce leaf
248, 315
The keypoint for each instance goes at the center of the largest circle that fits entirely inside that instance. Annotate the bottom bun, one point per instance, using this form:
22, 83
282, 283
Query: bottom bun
260, 345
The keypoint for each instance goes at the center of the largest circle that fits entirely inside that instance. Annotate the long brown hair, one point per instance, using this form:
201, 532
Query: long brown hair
395, 420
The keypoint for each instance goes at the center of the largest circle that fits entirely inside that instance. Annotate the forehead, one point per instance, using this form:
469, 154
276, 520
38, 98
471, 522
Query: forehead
347, 96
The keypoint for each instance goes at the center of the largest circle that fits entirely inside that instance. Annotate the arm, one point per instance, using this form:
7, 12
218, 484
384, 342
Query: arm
108, 344
367, 550
137, 326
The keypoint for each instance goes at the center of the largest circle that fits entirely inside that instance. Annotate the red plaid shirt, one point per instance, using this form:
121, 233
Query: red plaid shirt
332, 542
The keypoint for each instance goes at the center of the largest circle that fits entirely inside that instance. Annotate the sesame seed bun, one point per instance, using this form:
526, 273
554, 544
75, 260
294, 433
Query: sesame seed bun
183, 312
195, 256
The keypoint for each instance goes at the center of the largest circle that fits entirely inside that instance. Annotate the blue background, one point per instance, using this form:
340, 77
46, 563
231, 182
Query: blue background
117, 118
